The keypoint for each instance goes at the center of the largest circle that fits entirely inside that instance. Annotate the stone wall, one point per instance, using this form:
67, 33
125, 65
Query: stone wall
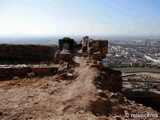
19, 70
66, 49
26, 53
68, 41
95, 49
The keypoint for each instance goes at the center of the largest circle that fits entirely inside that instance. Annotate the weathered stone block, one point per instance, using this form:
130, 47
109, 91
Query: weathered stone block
96, 55
91, 46
67, 44
91, 50
103, 43
66, 56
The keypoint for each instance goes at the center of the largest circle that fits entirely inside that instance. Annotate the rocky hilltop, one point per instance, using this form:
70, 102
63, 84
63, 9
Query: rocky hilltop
81, 89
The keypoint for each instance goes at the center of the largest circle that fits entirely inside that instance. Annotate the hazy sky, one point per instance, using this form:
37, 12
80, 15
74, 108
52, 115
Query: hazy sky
80, 17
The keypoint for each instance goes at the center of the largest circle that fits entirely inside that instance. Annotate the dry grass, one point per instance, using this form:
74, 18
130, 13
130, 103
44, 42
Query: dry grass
137, 69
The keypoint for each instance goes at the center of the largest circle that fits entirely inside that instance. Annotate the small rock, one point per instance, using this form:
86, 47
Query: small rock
113, 95
82, 111
117, 117
1, 113
99, 90
69, 74
30, 117
15, 106
36, 102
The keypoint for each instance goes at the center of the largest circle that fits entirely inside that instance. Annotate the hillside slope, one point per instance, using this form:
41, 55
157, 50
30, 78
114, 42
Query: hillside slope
73, 98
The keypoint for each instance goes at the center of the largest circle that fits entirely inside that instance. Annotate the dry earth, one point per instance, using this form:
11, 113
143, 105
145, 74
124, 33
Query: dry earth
50, 99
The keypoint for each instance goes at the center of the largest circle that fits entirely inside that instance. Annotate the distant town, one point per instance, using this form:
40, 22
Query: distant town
141, 53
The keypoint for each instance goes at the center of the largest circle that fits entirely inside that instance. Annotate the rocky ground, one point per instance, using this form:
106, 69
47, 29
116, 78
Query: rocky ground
78, 98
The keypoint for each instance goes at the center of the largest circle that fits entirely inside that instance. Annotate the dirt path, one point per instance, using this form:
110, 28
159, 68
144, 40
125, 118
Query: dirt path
48, 99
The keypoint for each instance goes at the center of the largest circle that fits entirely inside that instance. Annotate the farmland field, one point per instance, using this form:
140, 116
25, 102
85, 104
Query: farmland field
137, 69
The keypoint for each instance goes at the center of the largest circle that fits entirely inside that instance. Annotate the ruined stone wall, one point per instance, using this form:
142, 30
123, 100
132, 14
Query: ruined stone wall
109, 79
65, 52
68, 40
25, 53
96, 49
10, 72
84, 43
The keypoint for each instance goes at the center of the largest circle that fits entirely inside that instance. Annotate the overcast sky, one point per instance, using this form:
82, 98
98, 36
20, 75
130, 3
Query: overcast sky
80, 17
